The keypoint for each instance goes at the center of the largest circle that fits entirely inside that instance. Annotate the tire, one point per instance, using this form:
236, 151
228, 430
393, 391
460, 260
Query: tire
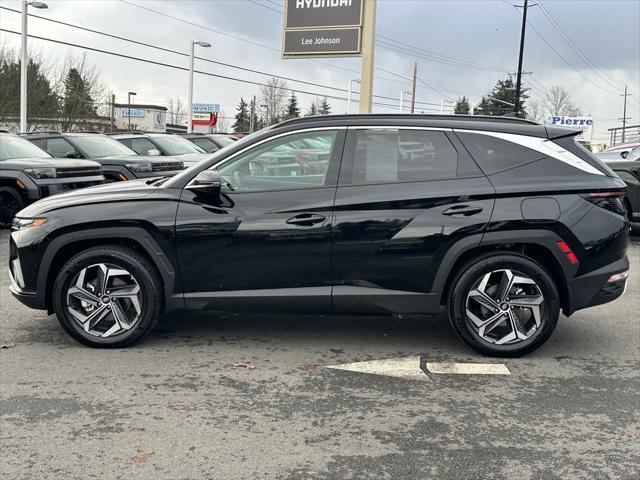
130, 289
529, 311
11, 202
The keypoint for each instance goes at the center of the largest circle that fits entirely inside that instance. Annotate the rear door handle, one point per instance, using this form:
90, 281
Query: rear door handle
306, 219
465, 210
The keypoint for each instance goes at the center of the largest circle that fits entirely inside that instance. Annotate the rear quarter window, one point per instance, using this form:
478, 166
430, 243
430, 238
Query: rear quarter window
495, 154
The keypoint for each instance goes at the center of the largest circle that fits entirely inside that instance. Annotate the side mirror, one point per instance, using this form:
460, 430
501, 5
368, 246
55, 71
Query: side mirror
624, 154
206, 182
71, 154
154, 152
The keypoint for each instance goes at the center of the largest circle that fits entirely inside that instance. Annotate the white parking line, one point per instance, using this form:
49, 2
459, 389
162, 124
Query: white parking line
468, 368
404, 367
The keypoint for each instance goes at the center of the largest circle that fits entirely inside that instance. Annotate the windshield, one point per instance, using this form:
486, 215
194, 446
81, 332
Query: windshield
174, 145
100, 146
215, 157
16, 147
225, 140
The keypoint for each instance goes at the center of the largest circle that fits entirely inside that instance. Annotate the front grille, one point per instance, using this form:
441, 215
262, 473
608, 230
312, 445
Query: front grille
166, 166
68, 172
76, 185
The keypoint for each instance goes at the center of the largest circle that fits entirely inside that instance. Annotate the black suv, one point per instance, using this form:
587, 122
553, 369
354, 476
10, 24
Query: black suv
628, 168
165, 144
119, 163
504, 221
28, 173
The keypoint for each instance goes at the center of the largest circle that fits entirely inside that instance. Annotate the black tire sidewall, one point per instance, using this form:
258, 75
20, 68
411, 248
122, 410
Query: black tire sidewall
134, 264
5, 209
472, 273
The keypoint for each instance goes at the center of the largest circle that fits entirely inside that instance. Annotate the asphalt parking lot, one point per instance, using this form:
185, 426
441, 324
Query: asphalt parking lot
250, 397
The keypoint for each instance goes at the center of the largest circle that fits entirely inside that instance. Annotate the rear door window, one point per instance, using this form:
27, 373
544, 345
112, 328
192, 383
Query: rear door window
142, 145
401, 155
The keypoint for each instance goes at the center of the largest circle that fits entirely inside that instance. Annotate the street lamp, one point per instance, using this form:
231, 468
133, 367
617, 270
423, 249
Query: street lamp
129, 95
24, 61
193, 45
351, 81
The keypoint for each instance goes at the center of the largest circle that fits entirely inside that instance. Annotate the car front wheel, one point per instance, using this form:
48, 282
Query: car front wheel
504, 305
108, 296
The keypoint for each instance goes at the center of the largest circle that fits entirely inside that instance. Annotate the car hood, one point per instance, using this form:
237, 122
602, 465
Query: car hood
110, 192
22, 163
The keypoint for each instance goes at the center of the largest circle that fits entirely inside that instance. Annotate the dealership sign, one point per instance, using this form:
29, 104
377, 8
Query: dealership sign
584, 124
132, 112
318, 28
205, 108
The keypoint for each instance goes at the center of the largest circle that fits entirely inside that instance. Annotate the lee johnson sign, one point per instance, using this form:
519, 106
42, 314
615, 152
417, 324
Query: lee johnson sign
322, 28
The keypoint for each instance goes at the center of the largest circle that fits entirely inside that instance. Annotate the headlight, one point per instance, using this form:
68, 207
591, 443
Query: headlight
20, 223
139, 167
38, 173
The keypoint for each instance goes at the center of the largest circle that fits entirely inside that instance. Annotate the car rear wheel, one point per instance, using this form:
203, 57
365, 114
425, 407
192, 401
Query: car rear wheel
504, 305
108, 296
11, 202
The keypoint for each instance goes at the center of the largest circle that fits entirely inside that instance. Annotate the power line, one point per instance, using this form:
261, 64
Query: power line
177, 67
265, 6
560, 55
246, 69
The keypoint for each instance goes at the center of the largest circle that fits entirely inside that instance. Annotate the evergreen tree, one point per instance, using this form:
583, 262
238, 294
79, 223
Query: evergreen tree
505, 91
77, 96
313, 110
243, 119
42, 100
462, 106
293, 111
323, 107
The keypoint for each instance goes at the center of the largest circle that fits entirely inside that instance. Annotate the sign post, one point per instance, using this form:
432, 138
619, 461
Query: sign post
332, 28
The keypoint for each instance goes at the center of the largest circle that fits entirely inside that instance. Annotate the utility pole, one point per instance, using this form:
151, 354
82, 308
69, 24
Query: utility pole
413, 87
519, 76
368, 47
252, 113
624, 113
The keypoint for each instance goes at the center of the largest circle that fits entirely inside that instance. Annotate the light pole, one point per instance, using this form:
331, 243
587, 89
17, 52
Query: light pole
192, 49
24, 61
129, 95
351, 81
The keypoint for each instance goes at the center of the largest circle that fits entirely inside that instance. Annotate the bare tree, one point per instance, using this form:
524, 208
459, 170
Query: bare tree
177, 111
558, 101
536, 111
273, 96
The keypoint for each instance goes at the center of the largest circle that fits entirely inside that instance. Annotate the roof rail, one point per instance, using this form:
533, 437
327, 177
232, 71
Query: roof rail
460, 118
45, 132
128, 132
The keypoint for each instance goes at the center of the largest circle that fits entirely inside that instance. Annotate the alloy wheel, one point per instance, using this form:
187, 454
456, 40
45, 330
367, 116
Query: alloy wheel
9, 207
505, 307
105, 300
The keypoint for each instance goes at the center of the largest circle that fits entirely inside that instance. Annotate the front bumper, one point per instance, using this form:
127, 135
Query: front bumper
594, 289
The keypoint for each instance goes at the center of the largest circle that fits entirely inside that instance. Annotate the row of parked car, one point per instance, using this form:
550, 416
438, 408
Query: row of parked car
36, 165
625, 161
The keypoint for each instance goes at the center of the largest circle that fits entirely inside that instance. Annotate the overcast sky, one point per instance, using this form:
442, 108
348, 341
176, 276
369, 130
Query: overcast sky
248, 33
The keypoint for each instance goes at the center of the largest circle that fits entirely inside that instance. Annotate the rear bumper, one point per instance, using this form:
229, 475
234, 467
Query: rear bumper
594, 289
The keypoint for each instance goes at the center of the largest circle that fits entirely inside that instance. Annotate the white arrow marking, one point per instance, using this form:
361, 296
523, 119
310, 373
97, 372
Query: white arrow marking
469, 368
405, 367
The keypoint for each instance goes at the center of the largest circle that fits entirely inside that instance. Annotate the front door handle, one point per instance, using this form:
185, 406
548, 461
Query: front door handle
466, 210
306, 219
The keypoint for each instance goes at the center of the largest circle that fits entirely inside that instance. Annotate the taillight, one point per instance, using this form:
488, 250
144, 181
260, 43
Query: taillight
612, 201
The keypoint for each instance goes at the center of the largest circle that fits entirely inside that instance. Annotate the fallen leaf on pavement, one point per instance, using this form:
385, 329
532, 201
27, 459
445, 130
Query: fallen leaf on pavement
307, 367
247, 365
141, 456
7, 345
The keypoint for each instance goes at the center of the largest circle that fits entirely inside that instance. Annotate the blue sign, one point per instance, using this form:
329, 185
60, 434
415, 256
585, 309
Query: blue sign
135, 112
205, 108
